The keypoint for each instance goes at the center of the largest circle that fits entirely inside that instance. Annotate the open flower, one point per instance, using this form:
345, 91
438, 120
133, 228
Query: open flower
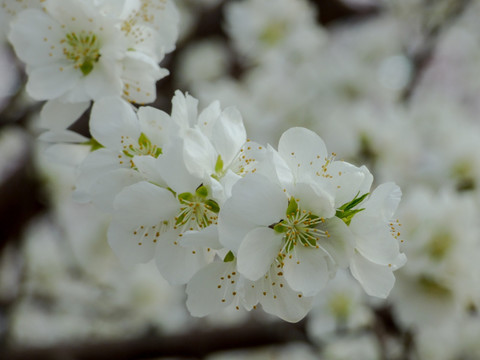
175, 223
77, 51
129, 140
295, 231
219, 285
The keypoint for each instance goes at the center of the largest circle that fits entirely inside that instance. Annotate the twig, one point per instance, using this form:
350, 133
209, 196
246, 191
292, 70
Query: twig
422, 56
194, 344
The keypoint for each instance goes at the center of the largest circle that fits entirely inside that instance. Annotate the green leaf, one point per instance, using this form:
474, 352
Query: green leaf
229, 257
347, 216
94, 144
356, 201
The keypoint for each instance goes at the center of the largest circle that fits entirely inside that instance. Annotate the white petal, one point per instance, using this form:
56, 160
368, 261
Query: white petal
374, 240
339, 244
349, 180
32, 35
303, 150
212, 288
260, 201
208, 118
57, 115
176, 263
306, 271
62, 136
376, 280
314, 198
232, 225
52, 80
131, 248
258, 251
145, 203
103, 80
384, 201
66, 154
229, 134
199, 155
148, 166
279, 299
173, 170
156, 124
95, 164
184, 109
206, 238
109, 184
112, 121
140, 74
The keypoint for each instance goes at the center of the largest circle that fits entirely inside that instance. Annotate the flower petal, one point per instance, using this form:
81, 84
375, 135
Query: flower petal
280, 300
211, 288
57, 115
130, 245
35, 37
307, 270
303, 150
52, 80
199, 153
376, 280
145, 204
177, 263
114, 124
374, 240
260, 201
257, 252
229, 134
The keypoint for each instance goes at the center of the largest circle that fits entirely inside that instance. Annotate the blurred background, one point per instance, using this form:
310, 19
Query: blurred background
392, 84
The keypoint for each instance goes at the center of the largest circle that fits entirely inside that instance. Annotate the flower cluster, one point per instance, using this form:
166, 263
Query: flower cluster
240, 223
79, 51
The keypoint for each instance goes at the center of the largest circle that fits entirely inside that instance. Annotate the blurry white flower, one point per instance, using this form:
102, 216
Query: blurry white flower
128, 139
77, 51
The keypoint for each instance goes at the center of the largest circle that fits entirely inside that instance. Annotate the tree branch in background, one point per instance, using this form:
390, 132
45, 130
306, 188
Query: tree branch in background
421, 56
194, 344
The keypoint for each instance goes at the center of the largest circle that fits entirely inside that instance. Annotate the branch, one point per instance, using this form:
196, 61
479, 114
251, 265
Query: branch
193, 344
422, 56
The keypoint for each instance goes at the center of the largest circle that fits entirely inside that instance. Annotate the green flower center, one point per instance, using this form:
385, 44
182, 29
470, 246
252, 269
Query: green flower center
197, 211
300, 227
145, 147
83, 49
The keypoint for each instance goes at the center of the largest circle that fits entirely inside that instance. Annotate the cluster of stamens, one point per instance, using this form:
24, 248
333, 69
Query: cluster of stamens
197, 211
300, 227
83, 49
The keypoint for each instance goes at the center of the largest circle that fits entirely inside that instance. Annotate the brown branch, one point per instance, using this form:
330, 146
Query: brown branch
422, 56
194, 344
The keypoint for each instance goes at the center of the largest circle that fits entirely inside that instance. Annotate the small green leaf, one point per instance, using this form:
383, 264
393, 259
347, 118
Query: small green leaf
356, 201
347, 215
229, 257
292, 206
94, 144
